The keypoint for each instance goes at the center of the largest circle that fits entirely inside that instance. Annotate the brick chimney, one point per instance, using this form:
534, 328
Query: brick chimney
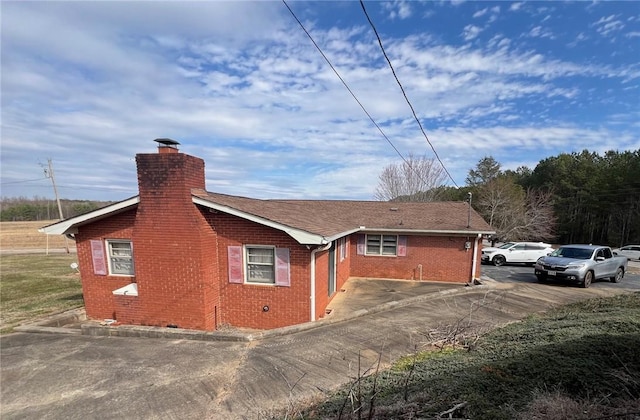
168, 173
170, 236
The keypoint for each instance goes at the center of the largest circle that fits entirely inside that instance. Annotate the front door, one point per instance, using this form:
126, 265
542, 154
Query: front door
332, 269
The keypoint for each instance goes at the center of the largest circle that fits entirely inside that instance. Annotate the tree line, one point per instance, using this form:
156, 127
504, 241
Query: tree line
22, 209
570, 198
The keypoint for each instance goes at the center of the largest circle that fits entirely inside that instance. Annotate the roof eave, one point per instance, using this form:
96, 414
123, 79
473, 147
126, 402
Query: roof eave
301, 236
469, 231
69, 226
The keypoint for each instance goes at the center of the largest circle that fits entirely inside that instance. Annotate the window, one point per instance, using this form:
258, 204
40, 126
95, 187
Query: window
260, 265
343, 248
382, 244
120, 258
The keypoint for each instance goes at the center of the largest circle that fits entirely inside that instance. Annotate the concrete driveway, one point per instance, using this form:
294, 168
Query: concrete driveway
49, 376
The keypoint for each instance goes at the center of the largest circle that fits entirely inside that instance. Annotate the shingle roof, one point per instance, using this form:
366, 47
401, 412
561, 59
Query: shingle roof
319, 221
330, 218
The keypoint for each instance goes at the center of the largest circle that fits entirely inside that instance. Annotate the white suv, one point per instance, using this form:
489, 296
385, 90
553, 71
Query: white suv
632, 252
516, 252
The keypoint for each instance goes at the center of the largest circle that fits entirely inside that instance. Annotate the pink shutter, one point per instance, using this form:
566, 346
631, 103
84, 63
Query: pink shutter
234, 256
97, 255
361, 245
283, 277
402, 246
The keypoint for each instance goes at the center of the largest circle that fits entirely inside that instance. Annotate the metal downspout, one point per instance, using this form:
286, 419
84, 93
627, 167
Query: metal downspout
313, 278
475, 258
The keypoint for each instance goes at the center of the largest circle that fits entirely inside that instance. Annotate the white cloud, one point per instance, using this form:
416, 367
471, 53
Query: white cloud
540, 32
398, 9
608, 25
471, 32
481, 12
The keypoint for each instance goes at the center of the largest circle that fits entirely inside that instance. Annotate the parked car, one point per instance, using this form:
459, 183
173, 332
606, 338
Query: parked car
582, 264
632, 252
516, 252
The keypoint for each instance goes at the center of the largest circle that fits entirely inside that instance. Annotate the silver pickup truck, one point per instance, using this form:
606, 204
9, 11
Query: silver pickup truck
582, 264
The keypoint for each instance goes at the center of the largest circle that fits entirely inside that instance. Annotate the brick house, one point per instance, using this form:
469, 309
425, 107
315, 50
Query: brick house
177, 255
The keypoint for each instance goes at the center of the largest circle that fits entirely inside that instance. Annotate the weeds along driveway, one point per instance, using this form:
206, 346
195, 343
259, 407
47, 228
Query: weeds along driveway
83, 377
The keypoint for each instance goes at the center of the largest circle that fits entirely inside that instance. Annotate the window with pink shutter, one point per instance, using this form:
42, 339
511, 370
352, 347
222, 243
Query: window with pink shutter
98, 258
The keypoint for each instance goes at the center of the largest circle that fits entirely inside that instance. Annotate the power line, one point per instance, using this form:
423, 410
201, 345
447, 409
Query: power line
21, 182
350, 91
405, 94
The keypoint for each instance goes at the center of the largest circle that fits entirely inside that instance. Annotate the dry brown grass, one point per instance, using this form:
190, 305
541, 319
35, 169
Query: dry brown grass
25, 235
557, 406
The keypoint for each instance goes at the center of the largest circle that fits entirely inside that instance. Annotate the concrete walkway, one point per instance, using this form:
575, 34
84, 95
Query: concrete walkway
63, 376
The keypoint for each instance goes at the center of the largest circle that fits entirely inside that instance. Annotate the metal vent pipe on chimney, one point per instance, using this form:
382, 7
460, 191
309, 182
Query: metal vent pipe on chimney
166, 145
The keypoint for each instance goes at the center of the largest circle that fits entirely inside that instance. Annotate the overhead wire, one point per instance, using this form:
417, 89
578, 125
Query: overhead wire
415, 116
344, 83
22, 181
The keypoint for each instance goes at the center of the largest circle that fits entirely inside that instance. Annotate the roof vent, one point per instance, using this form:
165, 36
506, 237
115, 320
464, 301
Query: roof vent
167, 145
393, 209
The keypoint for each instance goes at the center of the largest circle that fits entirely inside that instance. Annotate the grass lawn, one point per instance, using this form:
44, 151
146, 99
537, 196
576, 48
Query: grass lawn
32, 286
579, 361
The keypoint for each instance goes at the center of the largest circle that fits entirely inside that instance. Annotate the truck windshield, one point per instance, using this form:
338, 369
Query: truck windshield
576, 253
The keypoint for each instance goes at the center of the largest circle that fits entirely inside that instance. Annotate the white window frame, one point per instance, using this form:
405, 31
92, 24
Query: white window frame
115, 258
381, 245
247, 262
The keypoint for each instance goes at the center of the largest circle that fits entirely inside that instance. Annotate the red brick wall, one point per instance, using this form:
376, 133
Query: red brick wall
128, 309
241, 304
96, 289
443, 258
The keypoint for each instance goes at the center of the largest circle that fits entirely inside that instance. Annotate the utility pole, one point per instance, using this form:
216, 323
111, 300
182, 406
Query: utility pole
49, 174
469, 211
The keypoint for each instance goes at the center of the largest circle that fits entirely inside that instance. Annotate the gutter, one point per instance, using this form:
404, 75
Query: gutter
313, 278
427, 231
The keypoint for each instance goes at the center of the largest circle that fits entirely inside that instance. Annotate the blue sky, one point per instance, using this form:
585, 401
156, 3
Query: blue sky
239, 84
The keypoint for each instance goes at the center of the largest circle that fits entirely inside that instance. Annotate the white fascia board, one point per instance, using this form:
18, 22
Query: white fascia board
69, 226
431, 231
301, 236
342, 234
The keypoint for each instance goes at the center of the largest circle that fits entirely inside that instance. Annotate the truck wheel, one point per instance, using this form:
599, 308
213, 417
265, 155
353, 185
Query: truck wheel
588, 278
499, 260
618, 277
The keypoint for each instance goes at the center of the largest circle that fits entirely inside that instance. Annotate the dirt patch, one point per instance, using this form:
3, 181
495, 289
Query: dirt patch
25, 235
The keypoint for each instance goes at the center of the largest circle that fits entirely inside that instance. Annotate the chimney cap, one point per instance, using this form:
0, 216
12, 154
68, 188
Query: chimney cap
165, 142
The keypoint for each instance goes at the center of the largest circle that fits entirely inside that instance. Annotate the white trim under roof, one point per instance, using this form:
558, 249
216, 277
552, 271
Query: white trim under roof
70, 226
430, 231
303, 237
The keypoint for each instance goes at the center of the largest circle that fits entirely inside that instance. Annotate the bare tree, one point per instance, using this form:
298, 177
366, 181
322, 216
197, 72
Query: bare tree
516, 214
538, 221
415, 179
